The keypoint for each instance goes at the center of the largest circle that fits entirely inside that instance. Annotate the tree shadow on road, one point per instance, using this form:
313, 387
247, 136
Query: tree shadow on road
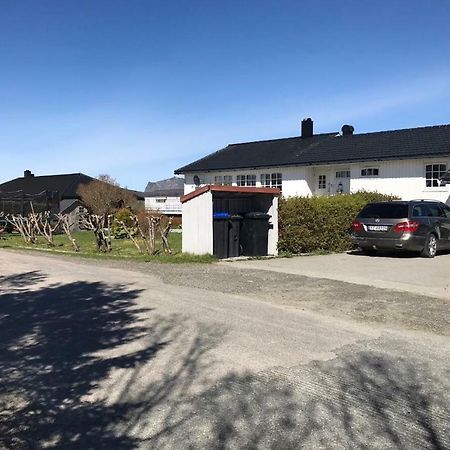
83, 366
366, 400
48, 341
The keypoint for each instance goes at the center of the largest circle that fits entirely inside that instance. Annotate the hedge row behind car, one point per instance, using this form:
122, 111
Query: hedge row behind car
316, 224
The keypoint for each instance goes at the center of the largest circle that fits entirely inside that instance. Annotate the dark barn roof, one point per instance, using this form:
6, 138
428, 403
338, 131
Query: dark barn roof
328, 148
66, 185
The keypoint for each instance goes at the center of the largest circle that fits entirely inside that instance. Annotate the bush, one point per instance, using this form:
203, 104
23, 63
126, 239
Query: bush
314, 224
122, 215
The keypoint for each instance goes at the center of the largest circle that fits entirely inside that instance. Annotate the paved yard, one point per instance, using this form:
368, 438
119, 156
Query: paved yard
116, 355
400, 272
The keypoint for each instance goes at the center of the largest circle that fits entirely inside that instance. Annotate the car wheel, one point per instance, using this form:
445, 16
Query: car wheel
431, 246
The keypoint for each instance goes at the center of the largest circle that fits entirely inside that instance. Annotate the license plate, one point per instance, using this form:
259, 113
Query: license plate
377, 227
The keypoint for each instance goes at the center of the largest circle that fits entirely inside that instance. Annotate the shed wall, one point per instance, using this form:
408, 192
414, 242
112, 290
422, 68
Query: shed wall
197, 237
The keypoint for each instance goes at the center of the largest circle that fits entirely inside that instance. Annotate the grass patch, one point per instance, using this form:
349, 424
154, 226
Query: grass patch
121, 248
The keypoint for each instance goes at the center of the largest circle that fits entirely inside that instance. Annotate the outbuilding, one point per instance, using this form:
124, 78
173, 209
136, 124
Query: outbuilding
230, 221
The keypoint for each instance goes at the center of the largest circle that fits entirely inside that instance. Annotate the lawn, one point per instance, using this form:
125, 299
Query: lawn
121, 248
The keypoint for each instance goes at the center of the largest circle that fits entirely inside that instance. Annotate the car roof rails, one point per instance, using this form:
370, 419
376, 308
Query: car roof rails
425, 200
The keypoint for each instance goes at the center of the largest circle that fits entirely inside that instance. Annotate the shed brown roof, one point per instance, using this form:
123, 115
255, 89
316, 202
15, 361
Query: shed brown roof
231, 189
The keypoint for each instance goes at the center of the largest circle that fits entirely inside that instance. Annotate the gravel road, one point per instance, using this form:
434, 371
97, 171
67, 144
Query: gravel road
126, 355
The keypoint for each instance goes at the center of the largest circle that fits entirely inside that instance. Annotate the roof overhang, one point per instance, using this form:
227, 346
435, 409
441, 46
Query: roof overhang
232, 190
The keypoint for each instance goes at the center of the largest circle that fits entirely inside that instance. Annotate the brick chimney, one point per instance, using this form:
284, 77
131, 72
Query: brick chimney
307, 128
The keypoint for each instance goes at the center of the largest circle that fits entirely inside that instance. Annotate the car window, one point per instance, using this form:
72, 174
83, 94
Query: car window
385, 211
435, 211
446, 211
421, 211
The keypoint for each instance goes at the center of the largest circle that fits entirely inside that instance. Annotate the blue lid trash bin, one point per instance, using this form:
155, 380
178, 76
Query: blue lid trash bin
254, 236
226, 234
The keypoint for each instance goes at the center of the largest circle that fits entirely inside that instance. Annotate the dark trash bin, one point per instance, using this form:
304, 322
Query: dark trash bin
234, 231
255, 234
220, 234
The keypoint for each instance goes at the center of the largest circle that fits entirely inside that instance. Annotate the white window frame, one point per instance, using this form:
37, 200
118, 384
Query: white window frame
322, 181
272, 180
439, 186
369, 172
246, 180
343, 174
218, 179
228, 180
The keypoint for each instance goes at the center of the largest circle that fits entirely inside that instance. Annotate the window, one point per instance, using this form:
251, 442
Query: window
161, 200
218, 179
246, 180
432, 174
274, 180
322, 181
384, 211
343, 174
227, 180
428, 210
370, 172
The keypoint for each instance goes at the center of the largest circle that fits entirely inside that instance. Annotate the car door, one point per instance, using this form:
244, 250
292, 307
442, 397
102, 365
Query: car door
445, 225
438, 222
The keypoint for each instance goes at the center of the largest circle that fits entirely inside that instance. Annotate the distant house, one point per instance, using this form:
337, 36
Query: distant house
57, 193
164, 196
409, 163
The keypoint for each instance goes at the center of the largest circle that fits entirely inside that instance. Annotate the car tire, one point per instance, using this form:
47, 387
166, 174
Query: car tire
431, 246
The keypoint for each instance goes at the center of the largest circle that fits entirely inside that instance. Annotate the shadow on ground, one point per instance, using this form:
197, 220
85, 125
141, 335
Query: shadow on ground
59, 345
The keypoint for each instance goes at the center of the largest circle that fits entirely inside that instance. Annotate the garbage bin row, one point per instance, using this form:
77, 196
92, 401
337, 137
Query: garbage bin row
236, 235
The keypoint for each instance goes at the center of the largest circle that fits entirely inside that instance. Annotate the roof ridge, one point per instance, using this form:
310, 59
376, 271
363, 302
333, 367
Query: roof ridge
402, 129
281, 139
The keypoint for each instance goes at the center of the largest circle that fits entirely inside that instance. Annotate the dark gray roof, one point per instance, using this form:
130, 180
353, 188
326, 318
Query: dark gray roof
328, 148
65, 206
170, 187
66, 185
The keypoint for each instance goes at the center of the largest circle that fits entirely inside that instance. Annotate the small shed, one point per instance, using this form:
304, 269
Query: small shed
201, 206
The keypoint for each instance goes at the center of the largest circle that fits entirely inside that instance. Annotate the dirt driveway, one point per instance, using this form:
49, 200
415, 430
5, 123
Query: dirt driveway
115, 355
407, 273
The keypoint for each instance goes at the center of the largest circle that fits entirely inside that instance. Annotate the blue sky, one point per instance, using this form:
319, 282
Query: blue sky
138, 88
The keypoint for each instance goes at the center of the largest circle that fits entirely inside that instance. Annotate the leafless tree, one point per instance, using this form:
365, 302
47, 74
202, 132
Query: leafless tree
101, 226
45, 224
25, 226
104, 196
66, 225
164, 232
147, 226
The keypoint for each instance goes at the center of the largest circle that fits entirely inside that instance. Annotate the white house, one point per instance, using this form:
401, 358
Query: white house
164, 196
408, 163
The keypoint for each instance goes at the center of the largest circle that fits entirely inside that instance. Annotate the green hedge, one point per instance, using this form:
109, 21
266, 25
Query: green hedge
314, 224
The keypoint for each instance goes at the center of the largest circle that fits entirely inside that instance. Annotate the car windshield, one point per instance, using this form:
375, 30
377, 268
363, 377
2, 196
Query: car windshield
384, 211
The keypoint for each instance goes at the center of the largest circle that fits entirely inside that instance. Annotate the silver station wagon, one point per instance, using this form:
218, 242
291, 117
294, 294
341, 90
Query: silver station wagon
418, 225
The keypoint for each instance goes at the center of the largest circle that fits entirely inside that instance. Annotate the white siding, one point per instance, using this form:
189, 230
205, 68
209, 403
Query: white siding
197, 237
295, 179
404, 178
170, 205
272, 244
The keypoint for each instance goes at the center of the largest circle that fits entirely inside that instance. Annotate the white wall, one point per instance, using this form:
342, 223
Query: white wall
171, 205
197, 237
404, 178
272, 244
295, 179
